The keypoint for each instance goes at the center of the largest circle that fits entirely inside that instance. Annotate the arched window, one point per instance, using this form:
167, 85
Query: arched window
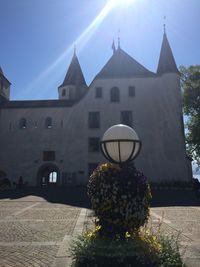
48, 123
114, 94
53, 177
22, 123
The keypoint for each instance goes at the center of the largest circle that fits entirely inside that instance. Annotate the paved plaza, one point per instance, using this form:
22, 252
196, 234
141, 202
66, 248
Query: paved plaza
37, 225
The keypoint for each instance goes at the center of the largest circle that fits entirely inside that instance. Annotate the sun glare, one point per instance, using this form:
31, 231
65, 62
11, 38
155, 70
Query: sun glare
84, 37
121, 2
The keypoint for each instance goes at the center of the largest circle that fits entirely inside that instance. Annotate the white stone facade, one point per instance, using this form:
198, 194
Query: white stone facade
156, 108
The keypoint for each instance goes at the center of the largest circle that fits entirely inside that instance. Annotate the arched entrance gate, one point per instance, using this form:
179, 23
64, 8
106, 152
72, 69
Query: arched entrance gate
48, 174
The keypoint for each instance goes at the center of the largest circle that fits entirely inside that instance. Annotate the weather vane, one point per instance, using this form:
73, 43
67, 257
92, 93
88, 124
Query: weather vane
119, 38
164, 25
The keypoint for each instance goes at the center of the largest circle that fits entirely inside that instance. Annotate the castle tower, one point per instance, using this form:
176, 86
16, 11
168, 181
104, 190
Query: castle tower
172, 116
74, 85
4, 87
167, 62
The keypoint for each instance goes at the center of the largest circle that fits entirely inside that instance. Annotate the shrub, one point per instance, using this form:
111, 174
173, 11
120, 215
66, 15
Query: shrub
169, 254
120, 199
143, 250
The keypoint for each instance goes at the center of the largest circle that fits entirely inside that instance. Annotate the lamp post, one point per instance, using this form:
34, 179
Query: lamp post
120, 144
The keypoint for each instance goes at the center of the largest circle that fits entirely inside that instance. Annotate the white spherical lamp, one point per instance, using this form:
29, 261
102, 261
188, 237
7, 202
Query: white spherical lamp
120, 144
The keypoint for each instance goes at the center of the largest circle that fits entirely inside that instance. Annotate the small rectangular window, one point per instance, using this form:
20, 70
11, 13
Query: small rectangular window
114, 94
48, 155
64, 92
131, 91
93, 144
98, 92
94, 120
92, 167
127, 118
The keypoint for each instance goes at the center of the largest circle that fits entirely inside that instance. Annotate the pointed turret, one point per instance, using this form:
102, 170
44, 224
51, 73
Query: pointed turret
166, 63
1, 71
74, 74
4, 87
74, 84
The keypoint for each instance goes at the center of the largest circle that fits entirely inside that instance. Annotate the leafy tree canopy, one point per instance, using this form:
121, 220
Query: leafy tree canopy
190, 83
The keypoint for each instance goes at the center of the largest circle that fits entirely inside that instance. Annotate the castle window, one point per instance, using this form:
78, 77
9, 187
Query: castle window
49, 155
131, 91
92, 167
94, 120
53, 177
127, 118
64, 92
93, 144
48, 123
98, 92
114, 94
22, 123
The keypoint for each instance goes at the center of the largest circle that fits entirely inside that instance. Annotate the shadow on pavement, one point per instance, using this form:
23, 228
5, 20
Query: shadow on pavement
77, 196
165, 198
74, 196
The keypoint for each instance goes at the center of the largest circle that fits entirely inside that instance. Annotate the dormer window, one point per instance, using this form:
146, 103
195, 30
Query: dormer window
64, 92
48, 123
114, 94
22, 123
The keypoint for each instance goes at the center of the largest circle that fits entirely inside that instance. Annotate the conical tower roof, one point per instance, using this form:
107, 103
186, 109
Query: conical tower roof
2, 74
74, 74
1, 71
121, 65
167, 62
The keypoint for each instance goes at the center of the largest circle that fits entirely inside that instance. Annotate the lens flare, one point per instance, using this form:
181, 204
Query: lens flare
81, 41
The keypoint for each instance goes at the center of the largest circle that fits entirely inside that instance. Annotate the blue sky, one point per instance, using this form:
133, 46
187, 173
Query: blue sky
37, 37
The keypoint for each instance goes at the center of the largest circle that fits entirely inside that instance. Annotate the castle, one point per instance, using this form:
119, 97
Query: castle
57, 141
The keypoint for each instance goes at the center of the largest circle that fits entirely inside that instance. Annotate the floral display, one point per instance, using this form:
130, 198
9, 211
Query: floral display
120, 199
122, 236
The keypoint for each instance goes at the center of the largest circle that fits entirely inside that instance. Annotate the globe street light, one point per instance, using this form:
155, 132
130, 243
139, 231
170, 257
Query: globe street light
120, 144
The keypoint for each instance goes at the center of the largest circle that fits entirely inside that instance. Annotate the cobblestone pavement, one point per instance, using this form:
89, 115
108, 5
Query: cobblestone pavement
36, 232
181, 222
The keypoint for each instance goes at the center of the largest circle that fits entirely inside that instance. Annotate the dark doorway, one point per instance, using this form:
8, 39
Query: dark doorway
48, 175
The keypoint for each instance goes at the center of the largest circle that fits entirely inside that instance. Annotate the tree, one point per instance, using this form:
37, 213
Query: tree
190, 83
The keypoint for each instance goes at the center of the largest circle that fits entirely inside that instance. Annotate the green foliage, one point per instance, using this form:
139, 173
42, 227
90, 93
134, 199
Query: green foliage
120, 199
169, 254
190, 83
144, 250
